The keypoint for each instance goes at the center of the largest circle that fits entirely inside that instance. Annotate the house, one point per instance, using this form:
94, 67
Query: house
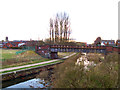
31, 44
1, 44
11, 44
97, 42
118, 43
100, 42
107, 42
21, 44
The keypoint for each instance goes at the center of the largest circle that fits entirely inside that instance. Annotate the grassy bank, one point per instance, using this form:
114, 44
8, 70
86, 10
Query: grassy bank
11, 59
104, 75
32, 66
63, 54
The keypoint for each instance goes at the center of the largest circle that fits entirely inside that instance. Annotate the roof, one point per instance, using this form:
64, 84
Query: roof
118, 41
108, 40
33, 43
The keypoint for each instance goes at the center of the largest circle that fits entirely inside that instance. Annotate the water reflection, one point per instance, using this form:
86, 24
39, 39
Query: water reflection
38, 80
17, 80
33, 83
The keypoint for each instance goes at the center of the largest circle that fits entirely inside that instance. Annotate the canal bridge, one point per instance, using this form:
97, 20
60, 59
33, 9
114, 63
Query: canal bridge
50, 51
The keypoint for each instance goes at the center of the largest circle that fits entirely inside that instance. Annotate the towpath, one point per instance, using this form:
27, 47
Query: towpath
12, 68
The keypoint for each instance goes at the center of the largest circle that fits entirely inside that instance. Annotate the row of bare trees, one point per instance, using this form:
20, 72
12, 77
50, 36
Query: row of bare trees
60, 28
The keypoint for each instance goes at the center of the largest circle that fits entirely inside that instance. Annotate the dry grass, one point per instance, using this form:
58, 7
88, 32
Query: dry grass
95, 57
11, 59
43, 75
22, 59
105, 75
63, 54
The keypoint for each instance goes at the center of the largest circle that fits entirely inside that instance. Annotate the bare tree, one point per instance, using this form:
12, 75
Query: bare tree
51, 31
60, 28
66, 23
56, 31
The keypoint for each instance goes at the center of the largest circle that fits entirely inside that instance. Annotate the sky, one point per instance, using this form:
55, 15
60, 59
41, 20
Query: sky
29, 19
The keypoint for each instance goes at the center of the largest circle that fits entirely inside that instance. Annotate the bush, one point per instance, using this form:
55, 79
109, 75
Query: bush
104, 75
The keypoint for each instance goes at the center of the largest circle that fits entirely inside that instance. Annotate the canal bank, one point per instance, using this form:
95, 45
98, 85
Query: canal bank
25, 72
25, 75
18, 76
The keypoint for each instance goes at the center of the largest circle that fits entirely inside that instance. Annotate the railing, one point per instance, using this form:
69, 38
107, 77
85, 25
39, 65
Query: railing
78, 47
82, 48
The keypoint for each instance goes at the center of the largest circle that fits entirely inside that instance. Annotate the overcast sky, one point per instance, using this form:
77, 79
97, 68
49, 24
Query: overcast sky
25, 19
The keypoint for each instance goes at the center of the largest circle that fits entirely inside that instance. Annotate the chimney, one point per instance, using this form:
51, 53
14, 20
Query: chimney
6, 39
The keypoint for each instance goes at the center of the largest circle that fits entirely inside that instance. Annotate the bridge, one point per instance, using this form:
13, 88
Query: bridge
50, 51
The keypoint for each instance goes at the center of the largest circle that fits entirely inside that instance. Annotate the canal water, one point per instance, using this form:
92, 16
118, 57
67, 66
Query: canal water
33, 83
30, 81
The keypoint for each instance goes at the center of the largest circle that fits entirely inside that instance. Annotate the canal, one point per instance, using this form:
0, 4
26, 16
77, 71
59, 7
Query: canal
29, 81
33, 80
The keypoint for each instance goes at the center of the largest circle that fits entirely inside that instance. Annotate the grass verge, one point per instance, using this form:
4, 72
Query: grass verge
32, 66
25, 64
11, 59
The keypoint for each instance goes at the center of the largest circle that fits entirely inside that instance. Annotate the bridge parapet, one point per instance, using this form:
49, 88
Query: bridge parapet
50, 51
77, 47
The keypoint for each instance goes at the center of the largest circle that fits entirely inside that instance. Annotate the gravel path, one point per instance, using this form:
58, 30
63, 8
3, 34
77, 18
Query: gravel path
12, 68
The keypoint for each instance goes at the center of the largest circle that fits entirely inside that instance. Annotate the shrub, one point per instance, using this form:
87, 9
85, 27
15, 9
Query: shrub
104, 75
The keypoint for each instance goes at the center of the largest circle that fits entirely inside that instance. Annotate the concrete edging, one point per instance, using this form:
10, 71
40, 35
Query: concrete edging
25, 72
28, 71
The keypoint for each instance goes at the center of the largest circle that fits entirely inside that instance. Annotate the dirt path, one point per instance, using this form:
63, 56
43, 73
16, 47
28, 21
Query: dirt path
12, 68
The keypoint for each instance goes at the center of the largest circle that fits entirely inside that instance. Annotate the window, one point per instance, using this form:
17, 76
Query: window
105, 42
